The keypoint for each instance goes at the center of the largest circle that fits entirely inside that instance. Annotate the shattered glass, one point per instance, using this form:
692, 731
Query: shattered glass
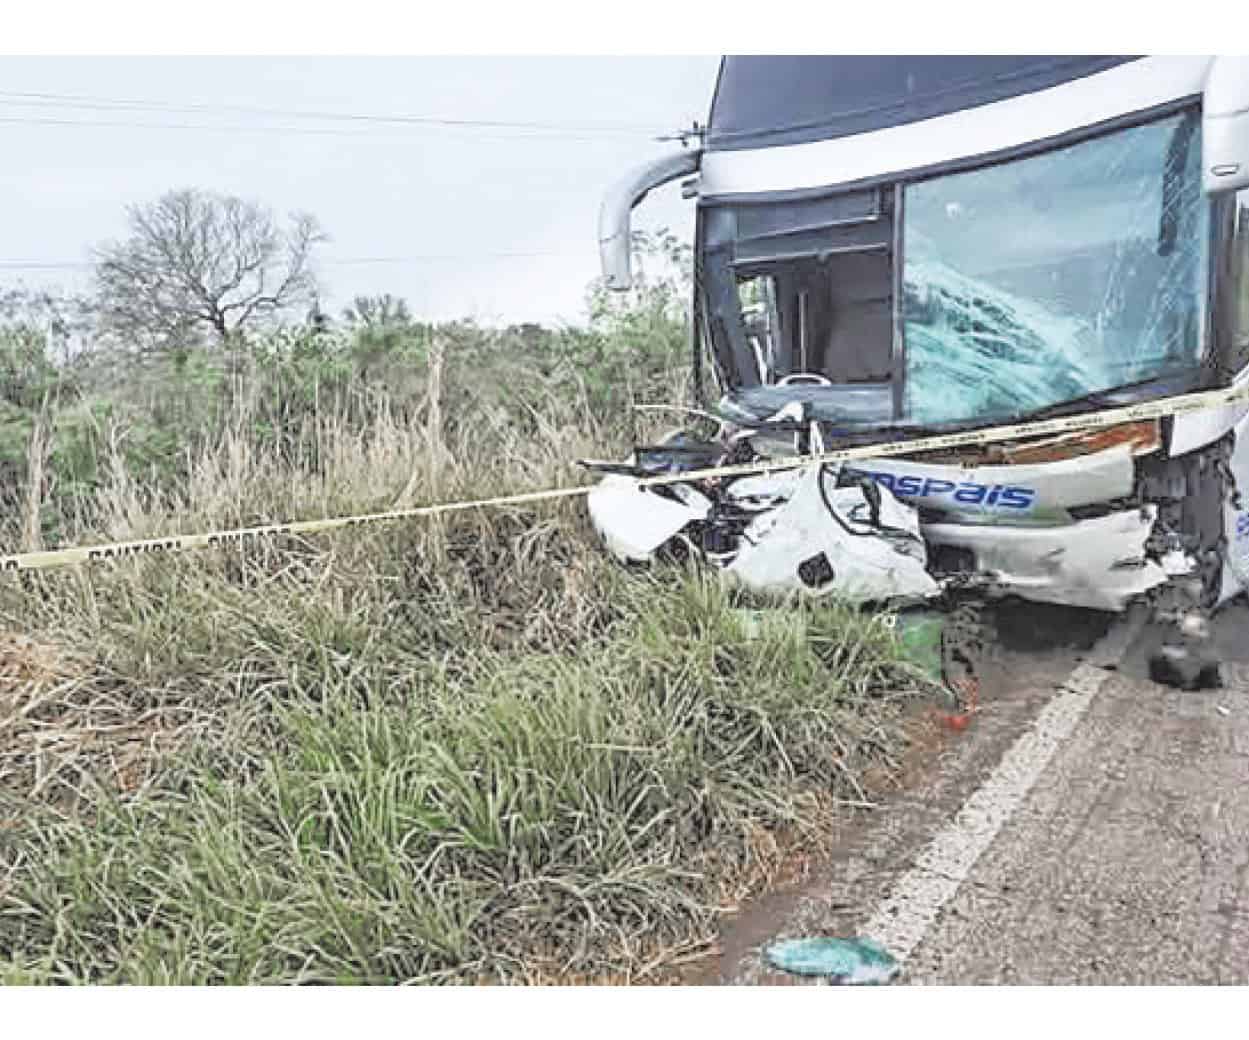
845, 961
1044, 279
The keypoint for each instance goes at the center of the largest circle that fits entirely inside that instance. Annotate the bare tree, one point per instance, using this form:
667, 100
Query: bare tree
200, 263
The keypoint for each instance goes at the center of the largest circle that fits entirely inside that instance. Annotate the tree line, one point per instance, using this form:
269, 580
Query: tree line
196, 269
201, 269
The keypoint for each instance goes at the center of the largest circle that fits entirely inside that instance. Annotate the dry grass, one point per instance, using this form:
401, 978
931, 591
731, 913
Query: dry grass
61, 729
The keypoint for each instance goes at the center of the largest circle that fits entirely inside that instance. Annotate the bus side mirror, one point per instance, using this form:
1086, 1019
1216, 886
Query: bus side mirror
1225, 126
615, 238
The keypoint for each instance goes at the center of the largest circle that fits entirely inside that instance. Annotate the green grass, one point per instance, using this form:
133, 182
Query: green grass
386, 819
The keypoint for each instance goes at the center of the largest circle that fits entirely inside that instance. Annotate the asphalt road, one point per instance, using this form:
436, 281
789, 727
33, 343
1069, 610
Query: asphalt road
1086, 830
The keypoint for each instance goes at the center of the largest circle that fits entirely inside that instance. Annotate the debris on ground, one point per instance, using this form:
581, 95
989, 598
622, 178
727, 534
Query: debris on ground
849, 962
968, 691
919, 634
1185, 659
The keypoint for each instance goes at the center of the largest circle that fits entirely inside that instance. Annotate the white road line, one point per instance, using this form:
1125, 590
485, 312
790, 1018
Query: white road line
902, 920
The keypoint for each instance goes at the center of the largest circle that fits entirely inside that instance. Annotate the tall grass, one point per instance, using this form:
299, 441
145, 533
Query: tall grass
477, 750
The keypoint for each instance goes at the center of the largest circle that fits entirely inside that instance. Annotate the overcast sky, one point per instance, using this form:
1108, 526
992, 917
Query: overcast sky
382, 190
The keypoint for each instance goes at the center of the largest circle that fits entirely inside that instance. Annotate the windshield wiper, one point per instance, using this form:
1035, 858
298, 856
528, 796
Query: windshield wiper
1094, 398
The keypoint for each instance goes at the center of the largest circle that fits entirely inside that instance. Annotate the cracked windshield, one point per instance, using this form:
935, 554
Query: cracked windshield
1042, 280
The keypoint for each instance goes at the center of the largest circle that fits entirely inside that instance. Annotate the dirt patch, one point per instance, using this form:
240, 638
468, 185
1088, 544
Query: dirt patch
61, 728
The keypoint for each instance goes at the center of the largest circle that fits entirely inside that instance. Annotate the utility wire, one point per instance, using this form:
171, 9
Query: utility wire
444, 256
322, 131
34, 99
55, 265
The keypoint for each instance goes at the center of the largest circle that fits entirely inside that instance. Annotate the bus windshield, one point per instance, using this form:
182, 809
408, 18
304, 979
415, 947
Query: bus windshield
1045, 279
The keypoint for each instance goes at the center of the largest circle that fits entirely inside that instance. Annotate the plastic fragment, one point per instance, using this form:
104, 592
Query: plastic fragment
850, 962
968, 691
919, 635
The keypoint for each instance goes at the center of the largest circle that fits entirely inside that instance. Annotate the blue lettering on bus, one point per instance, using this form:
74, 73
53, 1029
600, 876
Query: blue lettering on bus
967, 492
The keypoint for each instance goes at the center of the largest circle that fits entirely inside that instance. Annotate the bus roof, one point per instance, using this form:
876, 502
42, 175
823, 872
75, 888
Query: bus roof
766, 100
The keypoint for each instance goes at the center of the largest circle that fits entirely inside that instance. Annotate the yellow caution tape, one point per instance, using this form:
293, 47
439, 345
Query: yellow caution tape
240, 536
1157, 409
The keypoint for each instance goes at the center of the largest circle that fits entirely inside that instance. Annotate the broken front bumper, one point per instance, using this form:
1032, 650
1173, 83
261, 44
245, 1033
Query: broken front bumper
1098, 563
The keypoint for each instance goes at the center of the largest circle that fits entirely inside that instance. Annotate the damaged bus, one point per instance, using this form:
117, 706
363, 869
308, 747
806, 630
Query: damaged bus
888, 247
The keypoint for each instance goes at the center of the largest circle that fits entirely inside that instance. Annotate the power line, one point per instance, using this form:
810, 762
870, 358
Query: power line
446, 256
40, 265
87, 101
57, 265
38, 99
321, 131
